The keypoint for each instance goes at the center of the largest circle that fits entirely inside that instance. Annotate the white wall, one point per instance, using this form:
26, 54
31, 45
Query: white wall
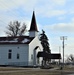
33, 33
26, 53
21, 49
35, 42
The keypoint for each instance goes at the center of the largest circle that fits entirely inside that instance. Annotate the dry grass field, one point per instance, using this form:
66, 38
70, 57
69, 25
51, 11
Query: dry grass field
33, 71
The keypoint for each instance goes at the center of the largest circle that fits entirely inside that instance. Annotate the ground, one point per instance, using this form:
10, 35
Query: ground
34, 71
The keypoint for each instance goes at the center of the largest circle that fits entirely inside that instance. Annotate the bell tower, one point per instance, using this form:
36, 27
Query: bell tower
33, 32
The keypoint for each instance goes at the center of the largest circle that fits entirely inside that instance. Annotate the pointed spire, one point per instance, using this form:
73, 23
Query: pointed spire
33, 26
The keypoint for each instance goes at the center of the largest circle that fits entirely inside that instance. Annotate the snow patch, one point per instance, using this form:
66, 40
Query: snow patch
25, 40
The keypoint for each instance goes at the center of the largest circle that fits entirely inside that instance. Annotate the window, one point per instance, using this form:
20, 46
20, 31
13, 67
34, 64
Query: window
9, 54
17, 56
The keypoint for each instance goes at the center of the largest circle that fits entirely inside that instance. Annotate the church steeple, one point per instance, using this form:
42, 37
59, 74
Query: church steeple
33, 28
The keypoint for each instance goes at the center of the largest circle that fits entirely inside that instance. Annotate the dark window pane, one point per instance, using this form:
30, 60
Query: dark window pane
10, 50
9, 55
17, 56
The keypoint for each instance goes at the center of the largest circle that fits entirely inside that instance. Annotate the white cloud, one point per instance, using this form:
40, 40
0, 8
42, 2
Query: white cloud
47, 8
52, 13
59, 2
6, 5
61, 18
72, 19
62, 27
11, 3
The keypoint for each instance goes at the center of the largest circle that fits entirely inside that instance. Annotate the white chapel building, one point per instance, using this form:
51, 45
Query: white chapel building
21, 50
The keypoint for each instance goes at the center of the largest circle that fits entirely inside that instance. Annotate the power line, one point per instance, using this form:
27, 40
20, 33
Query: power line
3, 21
5, 5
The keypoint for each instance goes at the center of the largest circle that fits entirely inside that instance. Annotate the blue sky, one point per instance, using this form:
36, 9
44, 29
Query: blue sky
56, 17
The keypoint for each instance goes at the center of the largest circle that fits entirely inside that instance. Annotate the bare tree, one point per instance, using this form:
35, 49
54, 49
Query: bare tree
15, 29
70, 59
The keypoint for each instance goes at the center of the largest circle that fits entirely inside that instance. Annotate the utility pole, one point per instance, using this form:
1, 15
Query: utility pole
59, 53
63, 38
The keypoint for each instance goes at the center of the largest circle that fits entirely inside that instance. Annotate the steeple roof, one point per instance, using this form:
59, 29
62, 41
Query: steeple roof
33, 26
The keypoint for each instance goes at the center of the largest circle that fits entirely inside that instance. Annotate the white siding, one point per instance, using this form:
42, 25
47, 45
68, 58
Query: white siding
20, 49
32, 46
33, 33
27, 56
